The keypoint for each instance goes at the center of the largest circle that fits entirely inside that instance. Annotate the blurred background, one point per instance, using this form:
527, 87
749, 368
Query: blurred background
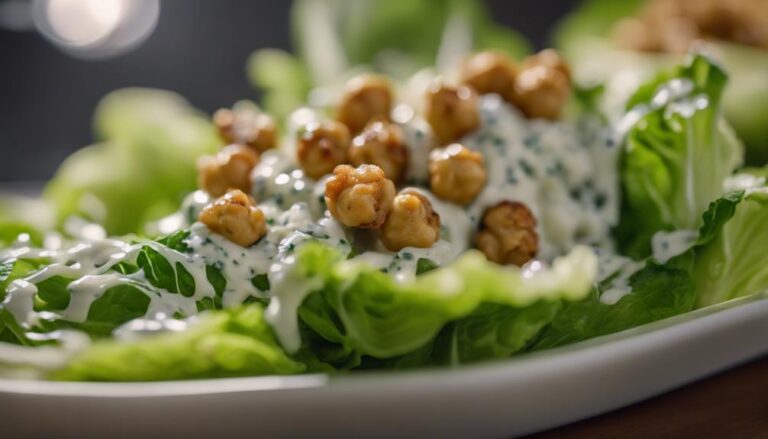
197, 48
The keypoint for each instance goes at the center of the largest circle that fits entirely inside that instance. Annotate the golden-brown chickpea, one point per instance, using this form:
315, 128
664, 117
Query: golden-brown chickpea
359, 197
452, 111
489, 72
550, 58
321, 147
636, 34
235, 217
381, 144
366, 97
411, 223
541, 92
229, 169
456, 174
508, 234
246, 126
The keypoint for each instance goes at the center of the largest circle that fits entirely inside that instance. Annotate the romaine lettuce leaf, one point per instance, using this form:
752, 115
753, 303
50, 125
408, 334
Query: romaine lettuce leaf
230, 343
658, 292
118, 304
490, 311
678, 152
144, 166
730, 257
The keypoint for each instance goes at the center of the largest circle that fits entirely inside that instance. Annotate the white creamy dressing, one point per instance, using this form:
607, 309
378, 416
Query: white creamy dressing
743, 182
289, 292
667, 93
91, 264
667, 245
565, 174
456, 230
615, 271
140, 328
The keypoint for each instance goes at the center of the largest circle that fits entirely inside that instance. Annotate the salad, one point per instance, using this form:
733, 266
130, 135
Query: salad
459, 215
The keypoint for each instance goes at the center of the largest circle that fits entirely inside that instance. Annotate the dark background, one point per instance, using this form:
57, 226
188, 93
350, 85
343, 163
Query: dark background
198, 49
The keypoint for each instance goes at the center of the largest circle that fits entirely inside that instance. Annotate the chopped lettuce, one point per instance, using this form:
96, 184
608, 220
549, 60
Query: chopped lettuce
144, 166
678, 152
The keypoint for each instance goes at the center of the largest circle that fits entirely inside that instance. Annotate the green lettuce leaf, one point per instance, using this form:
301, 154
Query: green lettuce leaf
658, 292
144, 166
678, 152
730, 259
491, 311
123, 302
230, 343
11, 230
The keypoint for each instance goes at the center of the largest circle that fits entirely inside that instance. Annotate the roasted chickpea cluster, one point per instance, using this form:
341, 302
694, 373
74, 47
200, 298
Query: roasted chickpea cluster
365, 198
246, 125
381, 144
456, 174
452, 111
411, 223
673, 25
507, 234
321, 147
540, 86
365, 156
366, 98
229, 169
359, 197
235, 217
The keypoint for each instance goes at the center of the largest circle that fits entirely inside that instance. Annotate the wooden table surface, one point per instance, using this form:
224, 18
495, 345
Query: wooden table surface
732, 404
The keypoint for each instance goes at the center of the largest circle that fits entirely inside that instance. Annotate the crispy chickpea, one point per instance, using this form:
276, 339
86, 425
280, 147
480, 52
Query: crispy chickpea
489, 72
508, 234
456, 174
229, 169
635, 34
411, 223
321, 147
381, 144
549, 58
541, 92
452, 111
235, 217
359, 197
246, 126
366, 97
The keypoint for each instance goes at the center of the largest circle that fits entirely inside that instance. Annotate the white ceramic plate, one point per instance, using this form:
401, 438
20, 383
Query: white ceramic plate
499, 399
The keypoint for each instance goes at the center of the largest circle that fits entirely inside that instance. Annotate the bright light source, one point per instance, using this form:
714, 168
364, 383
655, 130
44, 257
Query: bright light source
96, 28
84, 22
